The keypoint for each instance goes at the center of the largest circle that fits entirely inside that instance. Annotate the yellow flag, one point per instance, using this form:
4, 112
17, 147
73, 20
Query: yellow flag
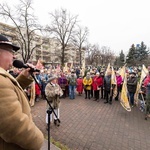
71, 66
124, 97
114, 83
136, 95
65, 68
122, 71
108, 69
144, 73
83, 69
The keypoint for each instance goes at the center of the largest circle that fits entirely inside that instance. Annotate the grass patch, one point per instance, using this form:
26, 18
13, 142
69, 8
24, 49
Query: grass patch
58, 144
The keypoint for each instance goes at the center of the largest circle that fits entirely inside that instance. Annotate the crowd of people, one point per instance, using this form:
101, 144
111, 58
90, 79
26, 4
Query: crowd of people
94, 84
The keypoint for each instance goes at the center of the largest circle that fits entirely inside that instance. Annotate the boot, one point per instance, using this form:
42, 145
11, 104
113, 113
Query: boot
146, 117
110, 102
56, 123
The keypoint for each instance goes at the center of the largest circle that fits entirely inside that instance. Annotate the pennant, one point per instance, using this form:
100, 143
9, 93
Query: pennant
124, 95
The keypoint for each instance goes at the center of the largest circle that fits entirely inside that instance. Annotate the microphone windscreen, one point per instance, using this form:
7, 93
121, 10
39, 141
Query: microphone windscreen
18, 64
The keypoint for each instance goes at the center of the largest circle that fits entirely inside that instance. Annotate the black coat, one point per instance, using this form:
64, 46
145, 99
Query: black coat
132, 84
107, 83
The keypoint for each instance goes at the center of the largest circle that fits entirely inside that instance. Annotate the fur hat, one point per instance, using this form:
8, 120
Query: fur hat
52, 78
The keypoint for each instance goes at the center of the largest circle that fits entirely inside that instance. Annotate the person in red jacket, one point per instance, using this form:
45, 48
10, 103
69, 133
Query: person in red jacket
97, 83
80, 85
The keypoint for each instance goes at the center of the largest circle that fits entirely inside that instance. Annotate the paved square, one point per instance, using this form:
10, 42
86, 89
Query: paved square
91, 125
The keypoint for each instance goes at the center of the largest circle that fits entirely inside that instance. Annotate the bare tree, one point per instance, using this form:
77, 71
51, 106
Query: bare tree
92, 52
62, 29
99, 56
26, 25
106, 55
79, 39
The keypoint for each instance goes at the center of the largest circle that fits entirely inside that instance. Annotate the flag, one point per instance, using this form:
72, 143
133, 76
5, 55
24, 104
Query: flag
143, 75
108, 69
71, 66
124, 95
136, 95
83, 69
65, 68
58, 69
113, 83
122, 71
39, 64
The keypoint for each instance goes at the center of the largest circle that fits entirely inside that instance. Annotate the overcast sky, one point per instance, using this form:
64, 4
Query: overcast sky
114, 23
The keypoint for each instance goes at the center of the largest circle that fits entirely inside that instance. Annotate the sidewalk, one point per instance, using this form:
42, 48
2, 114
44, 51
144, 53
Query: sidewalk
91, 125
52, 147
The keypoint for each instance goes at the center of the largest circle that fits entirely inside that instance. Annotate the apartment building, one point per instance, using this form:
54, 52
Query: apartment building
46, 49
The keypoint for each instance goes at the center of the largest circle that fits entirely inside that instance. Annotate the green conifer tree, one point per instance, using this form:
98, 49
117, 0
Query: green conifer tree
142, 52
131, 56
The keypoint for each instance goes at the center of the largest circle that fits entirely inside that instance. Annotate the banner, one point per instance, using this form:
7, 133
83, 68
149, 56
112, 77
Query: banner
124, 95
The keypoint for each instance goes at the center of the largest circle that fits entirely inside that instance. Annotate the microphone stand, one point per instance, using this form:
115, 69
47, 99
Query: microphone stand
49, 111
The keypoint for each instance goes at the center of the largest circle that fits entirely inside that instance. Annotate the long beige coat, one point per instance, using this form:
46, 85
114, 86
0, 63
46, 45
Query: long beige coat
53, 93
17, 130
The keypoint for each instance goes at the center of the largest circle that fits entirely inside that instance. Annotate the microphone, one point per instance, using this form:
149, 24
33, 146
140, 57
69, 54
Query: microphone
20, 64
